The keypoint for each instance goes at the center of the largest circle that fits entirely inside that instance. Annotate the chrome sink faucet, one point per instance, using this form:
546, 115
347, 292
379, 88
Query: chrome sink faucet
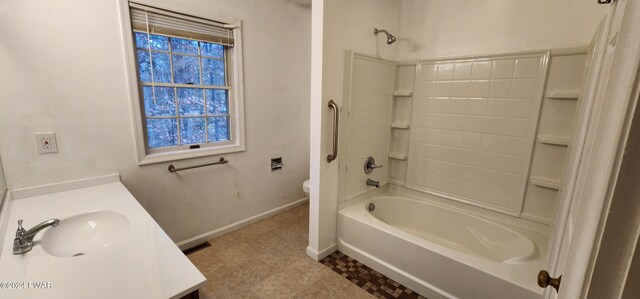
23, 241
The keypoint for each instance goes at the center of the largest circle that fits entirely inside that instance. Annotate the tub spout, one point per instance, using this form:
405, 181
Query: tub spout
371, 182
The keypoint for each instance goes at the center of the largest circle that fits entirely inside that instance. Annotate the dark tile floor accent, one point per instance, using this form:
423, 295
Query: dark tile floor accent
366, 278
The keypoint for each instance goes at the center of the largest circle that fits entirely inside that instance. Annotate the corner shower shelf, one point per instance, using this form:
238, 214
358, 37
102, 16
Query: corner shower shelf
400, 125
402, 93
563, 95
398, 156
553, 140
545, 183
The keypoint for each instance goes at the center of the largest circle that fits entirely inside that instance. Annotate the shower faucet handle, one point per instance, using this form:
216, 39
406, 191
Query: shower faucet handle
370, 165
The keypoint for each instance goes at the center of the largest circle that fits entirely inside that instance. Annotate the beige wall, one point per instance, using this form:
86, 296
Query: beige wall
64, 71
432, 28
345, 25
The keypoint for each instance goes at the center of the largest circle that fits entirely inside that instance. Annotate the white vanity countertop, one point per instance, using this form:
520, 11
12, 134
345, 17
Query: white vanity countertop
144, 264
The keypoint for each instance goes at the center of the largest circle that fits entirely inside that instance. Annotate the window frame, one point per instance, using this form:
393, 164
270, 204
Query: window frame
233, 64
227, 60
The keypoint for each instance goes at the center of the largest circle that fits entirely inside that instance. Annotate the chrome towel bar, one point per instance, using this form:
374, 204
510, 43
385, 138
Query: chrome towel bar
221, 161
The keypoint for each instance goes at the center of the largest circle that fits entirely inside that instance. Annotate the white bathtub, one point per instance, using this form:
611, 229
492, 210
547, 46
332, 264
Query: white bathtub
441, 251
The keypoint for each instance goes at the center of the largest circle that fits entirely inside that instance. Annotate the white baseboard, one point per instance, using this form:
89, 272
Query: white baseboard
188, 243
317, 256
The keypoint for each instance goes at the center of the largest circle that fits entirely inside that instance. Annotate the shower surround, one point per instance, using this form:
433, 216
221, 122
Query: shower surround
473, 127
462, 137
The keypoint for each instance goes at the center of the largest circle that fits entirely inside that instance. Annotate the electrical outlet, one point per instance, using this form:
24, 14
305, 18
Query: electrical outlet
46, 143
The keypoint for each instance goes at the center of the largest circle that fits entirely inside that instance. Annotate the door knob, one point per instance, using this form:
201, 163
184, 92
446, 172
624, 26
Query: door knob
545, 280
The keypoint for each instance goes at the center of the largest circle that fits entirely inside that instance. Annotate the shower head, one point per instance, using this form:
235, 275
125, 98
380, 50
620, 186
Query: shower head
390, 38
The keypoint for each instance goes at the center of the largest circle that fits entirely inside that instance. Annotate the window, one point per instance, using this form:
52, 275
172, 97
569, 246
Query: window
187, 74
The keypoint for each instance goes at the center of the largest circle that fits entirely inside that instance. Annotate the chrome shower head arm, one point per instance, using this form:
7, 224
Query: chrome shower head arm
376, 31
390, 38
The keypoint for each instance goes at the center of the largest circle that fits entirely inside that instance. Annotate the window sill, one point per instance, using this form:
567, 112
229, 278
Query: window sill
189, 154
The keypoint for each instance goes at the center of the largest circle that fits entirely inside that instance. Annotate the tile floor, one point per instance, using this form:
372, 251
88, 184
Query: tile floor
366, 278
267, 260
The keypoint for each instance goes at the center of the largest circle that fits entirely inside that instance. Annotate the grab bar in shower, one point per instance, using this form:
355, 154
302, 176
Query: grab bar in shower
336, 119
221, 161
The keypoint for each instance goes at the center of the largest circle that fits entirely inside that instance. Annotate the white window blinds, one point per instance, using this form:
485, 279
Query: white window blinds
159, 21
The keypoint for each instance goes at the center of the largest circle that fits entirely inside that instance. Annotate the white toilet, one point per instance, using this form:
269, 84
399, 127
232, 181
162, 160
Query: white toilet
305, 187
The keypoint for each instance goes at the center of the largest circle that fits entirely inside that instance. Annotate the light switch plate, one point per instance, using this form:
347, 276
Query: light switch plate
46, 143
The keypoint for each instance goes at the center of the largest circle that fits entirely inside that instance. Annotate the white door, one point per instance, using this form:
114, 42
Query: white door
595, 154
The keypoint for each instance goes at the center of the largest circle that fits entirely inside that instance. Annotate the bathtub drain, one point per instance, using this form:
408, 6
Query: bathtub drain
371, 207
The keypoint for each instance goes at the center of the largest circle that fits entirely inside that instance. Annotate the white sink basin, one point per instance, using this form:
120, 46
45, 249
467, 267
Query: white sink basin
85, 233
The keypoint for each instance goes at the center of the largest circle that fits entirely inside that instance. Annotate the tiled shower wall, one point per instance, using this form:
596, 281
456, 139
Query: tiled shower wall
367, 102
473, 128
